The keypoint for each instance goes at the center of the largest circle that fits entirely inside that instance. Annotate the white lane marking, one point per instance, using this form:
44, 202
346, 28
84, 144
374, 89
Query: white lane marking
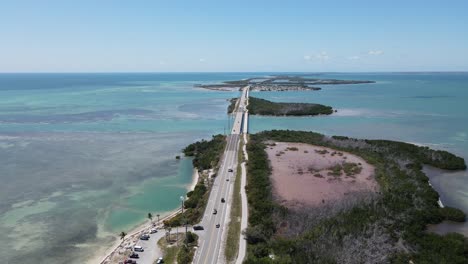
218, 178
225, 214
232, 139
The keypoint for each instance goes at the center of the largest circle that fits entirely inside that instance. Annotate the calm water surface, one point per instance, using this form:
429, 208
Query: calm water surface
85, 156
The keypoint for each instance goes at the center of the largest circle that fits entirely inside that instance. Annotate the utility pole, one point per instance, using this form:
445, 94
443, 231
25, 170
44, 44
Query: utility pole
182, 199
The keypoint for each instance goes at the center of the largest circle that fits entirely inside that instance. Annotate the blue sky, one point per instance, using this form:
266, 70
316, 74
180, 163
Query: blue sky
166, 36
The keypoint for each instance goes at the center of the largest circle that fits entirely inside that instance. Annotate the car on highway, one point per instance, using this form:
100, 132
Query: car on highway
222, 200
130, 261
215, 211
230, 170
218, 225
134, 255
198, 227
227, 179
144, 237
138, 249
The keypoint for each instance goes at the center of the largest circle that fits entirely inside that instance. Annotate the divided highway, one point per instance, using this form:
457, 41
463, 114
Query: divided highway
212, 239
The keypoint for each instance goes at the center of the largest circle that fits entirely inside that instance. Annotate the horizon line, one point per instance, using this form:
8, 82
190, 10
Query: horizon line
147, 72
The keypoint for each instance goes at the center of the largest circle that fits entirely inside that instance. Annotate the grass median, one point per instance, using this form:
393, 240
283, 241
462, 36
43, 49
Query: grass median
232, 241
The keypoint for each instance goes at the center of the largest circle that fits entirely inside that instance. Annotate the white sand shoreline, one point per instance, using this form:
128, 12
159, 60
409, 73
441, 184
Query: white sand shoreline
195, 177
105, 256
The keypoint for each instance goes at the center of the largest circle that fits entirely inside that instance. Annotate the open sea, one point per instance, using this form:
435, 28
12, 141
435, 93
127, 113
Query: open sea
86, 156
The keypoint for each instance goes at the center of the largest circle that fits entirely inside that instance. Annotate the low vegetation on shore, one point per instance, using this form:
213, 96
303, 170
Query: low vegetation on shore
234, 227
259, 106
279, 83
194, 207
179, 248
389, 228
232, 105
206, 155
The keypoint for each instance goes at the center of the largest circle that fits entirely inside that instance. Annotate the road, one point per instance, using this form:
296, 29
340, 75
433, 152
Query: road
245, 209
213, 239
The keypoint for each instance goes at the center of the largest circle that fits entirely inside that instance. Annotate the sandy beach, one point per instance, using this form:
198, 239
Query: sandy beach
195, 177
304, 174
117, 251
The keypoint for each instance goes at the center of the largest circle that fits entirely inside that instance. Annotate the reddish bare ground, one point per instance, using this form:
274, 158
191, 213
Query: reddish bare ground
302, 174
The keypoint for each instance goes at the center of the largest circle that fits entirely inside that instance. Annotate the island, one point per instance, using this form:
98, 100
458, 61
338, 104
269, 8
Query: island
279, 83
258, 106
320, 199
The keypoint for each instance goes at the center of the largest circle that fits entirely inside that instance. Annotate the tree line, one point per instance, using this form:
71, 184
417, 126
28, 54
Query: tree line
389, 227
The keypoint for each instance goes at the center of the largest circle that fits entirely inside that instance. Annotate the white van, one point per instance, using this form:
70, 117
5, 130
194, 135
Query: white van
138, 248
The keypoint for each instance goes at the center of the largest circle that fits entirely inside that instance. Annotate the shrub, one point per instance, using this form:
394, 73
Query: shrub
453, 214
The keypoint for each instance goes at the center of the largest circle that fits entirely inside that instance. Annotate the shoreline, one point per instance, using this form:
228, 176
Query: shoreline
195, 178
105, 256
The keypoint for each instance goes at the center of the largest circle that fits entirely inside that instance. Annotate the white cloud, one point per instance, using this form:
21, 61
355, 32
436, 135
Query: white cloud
322, 56
354, 58
375, 52
202, 60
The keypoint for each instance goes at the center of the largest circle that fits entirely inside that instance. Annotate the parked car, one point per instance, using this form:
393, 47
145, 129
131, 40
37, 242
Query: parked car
144, 237
160, 260
154, 230
227, 179
134, 255
222, 200
218, 225
198, 227
230, 170
138, 248
130, 261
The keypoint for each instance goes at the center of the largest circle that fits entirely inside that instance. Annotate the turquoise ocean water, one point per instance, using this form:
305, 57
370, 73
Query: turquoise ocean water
85, 156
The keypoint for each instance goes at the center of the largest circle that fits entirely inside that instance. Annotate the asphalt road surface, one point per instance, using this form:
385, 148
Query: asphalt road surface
211, 242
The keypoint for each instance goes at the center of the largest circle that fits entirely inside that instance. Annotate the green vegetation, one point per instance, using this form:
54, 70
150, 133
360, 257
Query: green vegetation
322, 151
335, 170
351, 168
194, 207
195, 196
422, 155
279, 83
292, 149
453, 214
186, 251
259, 106
387, 228
182, 251
232, 105
206, 156
261, 226
206, 153
169, 251
233, 235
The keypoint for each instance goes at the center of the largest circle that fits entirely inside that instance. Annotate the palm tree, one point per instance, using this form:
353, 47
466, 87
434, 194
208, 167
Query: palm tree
168, 234
150, 217
122, 235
